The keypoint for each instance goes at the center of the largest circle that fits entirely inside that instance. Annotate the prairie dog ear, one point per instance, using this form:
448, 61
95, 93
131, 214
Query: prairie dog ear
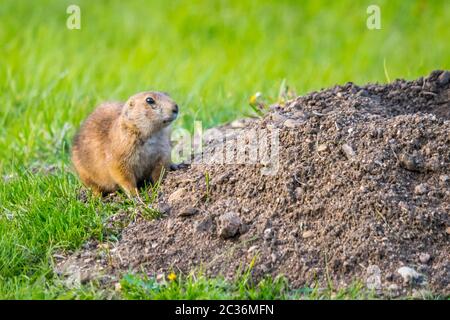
131, 103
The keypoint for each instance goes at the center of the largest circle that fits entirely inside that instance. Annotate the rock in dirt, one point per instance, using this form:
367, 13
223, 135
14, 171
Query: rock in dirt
292, 124
444, 178
204, 225
373, 281
273, 257
409, 275
421, 189
307, 234
177, 196
411, 163
277, 118
444, 78
424, 257
348, 151
189, 211
322, 147
269, 234
229, 225
164, 208
241, 123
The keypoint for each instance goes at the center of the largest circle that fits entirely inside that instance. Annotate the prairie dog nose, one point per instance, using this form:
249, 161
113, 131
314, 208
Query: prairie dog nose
175, 109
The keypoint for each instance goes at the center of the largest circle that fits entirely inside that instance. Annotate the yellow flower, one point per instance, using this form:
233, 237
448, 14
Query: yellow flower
254, 98
172, 276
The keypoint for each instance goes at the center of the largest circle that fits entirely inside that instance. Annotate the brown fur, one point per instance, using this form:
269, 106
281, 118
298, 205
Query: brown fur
124, 144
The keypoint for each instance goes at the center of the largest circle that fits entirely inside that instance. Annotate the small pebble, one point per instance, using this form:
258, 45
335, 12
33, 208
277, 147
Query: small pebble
373, 281
307, 234
268, 234
409, 275
421, 189
348, 151
273, 256
410, 163
322, 147
187, 212
424, 258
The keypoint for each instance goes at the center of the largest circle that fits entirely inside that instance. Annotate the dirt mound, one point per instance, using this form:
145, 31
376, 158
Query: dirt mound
361, 192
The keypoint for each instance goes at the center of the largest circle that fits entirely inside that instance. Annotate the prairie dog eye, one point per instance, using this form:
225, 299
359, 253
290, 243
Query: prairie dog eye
150, 101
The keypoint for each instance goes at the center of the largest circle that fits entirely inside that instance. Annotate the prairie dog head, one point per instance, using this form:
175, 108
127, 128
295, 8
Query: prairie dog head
149, 112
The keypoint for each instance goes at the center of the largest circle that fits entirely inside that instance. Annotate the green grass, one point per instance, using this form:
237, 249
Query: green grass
199, 287
211, 56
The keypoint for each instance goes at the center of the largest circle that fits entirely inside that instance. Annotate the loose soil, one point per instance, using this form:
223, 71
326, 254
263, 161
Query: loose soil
362, 189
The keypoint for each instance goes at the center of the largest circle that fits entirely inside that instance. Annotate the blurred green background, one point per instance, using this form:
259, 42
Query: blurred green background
210, 55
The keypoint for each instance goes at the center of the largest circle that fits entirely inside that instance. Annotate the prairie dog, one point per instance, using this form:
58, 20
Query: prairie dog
124, 144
